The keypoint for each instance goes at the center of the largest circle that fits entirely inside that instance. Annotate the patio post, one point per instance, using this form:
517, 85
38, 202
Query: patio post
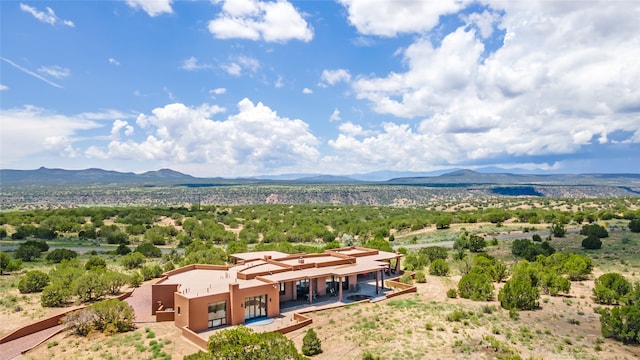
376, 282
310, 291
340, 288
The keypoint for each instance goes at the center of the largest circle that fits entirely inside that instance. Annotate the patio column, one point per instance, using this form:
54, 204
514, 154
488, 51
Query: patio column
310, 292
340, 288
376, 282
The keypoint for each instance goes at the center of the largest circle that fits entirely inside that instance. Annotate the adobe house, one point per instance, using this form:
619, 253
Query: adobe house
202, 297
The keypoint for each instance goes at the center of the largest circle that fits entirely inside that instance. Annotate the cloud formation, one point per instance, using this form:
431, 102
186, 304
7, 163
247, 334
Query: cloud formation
31, 130
55, 71
332, 77
253, 141
152, 7
48, 17
390, 17
570, 88
269, 21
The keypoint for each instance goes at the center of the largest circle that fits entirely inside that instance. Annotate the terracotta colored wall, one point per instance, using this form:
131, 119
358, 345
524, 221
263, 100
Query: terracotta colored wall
289, 291
164, 293
202, 343
162, 316
182, 310
322, 286
238, 296
199, 310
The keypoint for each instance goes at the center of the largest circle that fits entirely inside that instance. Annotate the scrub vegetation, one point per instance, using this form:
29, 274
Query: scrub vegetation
496, 277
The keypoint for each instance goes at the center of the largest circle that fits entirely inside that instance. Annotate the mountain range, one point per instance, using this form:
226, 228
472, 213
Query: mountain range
46, 176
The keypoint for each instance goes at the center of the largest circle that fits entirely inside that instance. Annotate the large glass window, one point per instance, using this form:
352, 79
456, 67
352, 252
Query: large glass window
217, 314
255, 307
282, 288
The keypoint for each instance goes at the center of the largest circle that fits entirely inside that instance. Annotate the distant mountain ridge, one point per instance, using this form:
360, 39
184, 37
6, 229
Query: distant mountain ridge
44, 176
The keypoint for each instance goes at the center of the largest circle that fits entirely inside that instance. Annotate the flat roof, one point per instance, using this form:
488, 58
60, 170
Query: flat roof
254, 255
201, 282
325, 258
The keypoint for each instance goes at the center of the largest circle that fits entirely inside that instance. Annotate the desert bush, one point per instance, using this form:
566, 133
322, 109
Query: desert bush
634, 225
152, 271
476, 286
107, 316
33, 281
439, 267
55, 295
621, 323
132, 260
452, 293
57, 255
595, 230
311, 344
95, 262
406, 278
592, 242
149, 250
420, 277
610, 288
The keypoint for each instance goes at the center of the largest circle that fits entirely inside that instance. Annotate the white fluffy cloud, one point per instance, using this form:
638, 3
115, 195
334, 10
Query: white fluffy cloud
255, 140
332, 77
47, 17
193, 64
152, 7
3, 87
270, 21
30, 130
550, 89
307, 91
392, 17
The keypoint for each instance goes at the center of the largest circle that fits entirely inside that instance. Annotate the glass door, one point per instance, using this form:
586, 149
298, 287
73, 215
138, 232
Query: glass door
255, 307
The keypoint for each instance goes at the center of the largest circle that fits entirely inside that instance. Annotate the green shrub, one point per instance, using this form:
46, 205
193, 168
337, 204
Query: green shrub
610, 288
521, 291
420, 277
95, 262
57, 255
33, 281
149, 250
406, 278
152, 271
311, 344
621, 323
132, 260
595, 230
592, 242
439, 267
56, 294
452, 293
475, 286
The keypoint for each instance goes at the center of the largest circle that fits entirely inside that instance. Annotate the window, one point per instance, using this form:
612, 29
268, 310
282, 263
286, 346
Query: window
282, 288
217, 314
178, 310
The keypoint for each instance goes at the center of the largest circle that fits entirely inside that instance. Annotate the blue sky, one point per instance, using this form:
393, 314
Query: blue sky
248, 87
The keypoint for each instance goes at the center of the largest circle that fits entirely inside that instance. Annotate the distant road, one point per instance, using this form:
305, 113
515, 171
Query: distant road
449, 244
